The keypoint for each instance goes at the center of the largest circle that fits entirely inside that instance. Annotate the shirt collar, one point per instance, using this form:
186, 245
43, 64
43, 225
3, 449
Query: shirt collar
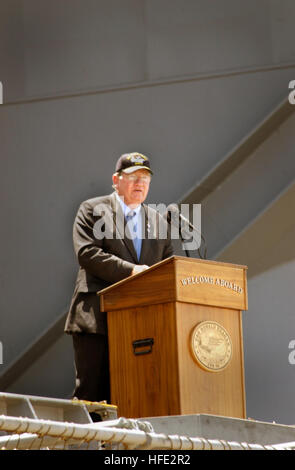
126, 209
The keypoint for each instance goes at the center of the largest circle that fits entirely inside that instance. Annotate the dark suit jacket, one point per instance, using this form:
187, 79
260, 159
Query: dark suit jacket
107, 259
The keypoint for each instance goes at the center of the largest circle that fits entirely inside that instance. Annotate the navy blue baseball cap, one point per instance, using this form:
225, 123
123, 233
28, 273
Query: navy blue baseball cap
130, 162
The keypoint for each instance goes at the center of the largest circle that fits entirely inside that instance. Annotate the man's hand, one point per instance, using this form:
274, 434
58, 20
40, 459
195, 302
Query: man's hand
138, 268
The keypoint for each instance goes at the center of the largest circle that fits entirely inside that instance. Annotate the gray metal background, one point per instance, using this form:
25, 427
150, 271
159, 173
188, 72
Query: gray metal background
187, 82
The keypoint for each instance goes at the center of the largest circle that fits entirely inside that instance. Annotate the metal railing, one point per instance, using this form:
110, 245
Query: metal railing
122, 434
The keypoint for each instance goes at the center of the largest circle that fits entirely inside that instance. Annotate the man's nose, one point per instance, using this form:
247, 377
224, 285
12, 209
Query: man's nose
139, 181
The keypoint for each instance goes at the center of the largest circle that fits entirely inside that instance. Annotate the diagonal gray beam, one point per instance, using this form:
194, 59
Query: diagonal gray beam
239, 154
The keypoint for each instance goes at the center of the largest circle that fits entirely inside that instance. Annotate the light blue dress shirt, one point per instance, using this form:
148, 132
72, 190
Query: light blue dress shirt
134, 224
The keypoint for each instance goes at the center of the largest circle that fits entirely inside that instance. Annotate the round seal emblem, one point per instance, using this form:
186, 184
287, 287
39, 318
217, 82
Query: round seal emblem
211, 346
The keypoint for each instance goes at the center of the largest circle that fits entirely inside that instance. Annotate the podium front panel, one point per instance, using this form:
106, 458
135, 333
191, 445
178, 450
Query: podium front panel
214, 383
143, 361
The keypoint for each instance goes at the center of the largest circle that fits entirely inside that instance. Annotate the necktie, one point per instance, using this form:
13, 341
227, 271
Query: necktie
132, 225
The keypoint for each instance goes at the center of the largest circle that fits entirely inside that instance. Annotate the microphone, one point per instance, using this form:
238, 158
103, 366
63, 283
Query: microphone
174, 212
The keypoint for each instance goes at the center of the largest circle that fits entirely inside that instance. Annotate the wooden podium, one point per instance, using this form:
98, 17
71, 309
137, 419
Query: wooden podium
175, 339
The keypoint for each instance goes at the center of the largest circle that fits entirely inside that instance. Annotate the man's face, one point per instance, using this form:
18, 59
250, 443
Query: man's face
133, 187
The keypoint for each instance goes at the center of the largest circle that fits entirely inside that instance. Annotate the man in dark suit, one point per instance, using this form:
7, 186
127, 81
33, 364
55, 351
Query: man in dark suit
115, 236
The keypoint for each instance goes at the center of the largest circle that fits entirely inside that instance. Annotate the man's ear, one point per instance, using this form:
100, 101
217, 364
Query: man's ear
115, 178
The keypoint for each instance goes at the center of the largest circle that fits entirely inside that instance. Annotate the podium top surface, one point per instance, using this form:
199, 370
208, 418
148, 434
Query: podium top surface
181, 279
